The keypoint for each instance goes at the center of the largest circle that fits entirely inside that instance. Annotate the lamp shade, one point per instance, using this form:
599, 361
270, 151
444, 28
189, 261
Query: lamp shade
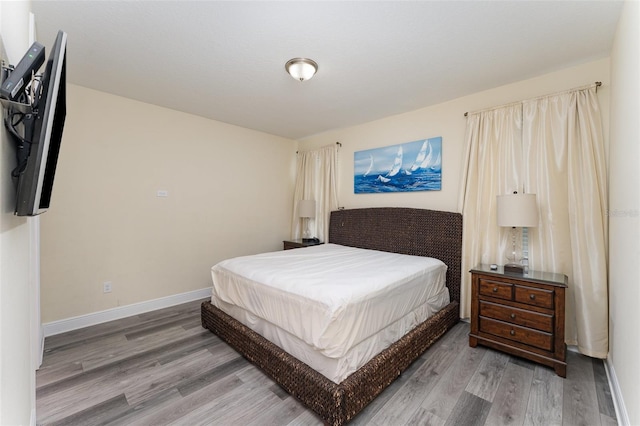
517, 210
306, 208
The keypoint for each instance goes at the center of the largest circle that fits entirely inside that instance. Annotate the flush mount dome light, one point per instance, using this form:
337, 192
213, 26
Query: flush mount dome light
301, 68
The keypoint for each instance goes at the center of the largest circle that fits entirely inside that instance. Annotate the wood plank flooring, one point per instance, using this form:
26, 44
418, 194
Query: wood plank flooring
163, 368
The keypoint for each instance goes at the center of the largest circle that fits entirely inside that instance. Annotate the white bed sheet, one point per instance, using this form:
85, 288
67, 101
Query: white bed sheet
337, 369
330, 297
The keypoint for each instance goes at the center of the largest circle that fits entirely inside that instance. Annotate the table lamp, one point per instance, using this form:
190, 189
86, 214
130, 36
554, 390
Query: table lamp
306, 211
517, 211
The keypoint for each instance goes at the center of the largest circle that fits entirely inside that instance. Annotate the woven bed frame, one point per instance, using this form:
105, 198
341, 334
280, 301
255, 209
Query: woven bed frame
400, 230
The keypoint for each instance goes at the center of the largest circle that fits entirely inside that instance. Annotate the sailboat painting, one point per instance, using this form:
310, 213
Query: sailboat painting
412, 166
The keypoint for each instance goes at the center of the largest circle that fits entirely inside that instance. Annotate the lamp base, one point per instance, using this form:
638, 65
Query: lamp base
513, 268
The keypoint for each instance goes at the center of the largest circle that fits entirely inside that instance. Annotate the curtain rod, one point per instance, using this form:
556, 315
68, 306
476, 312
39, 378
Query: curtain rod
337, 143
597, 84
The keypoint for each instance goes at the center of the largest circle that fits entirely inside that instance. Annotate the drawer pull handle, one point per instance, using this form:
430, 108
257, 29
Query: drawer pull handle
495, 289
532, 296
512, 332
513, 316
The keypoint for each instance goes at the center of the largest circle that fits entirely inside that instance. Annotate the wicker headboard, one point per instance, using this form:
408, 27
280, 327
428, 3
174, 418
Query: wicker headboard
417, 232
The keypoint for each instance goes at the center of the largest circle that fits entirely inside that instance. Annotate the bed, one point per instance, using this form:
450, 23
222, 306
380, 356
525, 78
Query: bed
414, 232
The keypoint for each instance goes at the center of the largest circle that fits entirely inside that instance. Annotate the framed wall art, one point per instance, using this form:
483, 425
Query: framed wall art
411, 166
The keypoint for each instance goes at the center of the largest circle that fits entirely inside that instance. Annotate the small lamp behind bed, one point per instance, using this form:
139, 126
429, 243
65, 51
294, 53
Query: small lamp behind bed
517, 210
306, 211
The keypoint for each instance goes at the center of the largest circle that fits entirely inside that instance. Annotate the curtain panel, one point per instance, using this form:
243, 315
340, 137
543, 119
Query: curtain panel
316, 179
565, 167
493, 161
559, 156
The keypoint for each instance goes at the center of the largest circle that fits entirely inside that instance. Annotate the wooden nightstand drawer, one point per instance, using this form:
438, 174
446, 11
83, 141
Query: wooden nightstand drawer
496, 289
542, 322
534, 296
516, 333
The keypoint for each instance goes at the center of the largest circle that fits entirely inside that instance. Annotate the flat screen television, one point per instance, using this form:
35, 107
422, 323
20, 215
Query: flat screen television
42, 135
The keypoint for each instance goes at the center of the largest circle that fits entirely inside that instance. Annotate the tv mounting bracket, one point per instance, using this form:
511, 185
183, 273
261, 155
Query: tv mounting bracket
18, 106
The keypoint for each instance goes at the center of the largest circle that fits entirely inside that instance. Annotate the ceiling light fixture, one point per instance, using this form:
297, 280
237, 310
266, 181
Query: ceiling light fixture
301, 68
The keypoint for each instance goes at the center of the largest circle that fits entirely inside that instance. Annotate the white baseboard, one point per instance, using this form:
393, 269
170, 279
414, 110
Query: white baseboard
62, 326
618, 402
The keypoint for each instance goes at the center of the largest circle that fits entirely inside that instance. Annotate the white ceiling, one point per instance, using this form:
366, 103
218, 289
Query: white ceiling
225, 60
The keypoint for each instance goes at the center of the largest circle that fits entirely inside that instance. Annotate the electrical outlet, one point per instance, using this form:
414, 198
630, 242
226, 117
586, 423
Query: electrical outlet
106, 287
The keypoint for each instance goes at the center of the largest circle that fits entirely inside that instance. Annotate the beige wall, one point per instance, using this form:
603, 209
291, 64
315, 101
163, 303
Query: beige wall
230, 193
446, 120
624, 208
17, 301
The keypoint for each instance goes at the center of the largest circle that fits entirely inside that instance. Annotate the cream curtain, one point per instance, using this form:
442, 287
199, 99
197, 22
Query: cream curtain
493, 161
316, 179
562, 161
565, 167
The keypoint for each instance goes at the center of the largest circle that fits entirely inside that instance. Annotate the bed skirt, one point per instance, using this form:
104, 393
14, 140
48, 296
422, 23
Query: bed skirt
335, 403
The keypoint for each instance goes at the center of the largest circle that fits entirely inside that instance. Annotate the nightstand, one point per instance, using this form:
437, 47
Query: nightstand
521, 315
292, 244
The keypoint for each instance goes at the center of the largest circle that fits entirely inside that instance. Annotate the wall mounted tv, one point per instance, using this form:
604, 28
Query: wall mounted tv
35, 111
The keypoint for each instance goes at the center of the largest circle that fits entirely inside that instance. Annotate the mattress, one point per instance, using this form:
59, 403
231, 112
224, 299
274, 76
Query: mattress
331, 306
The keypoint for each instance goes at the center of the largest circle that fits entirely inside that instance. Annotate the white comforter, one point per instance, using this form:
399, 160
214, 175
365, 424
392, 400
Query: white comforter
330, 296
